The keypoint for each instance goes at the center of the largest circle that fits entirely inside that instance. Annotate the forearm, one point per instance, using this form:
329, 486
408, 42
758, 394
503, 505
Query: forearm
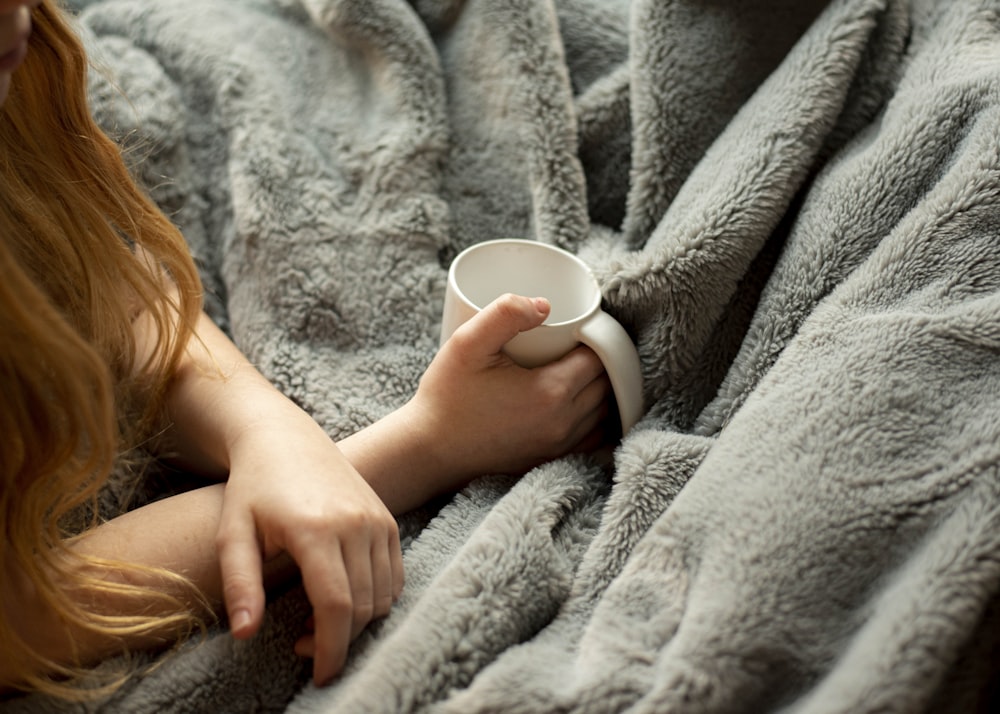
218, 398
432, 445
292, 493
175, 534
398, 458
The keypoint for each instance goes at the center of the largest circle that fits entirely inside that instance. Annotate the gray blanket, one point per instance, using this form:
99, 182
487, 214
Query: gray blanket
794, 208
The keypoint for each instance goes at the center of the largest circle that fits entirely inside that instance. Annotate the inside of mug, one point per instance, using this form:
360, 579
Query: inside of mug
530, 269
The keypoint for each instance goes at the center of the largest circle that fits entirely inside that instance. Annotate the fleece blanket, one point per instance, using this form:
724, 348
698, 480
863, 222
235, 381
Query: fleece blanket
794, 208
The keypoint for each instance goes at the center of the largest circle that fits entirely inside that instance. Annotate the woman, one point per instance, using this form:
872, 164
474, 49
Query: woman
103, 347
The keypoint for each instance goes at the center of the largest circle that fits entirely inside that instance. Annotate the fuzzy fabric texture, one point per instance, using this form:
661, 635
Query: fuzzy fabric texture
793, 206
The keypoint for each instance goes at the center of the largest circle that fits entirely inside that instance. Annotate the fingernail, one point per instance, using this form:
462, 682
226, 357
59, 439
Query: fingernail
239, 620
541, 304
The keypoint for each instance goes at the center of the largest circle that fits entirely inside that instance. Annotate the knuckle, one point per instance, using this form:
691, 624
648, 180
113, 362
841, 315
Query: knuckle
509, 305
466, 337
357, 520
312, 523
555, 393
321, 525
364, 612
392, 530
382, 605
236, 586
335, 601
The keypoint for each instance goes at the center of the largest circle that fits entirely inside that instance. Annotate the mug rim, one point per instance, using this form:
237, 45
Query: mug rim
595, 303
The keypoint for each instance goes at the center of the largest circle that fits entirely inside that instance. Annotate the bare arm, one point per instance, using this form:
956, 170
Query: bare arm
477, 412
289, 491
291, 498
293, 495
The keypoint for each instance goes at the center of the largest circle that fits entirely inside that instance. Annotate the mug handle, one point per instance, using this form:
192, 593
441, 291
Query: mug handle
609, 340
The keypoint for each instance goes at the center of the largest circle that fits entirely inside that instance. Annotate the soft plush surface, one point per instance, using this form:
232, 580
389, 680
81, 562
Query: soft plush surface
793, 206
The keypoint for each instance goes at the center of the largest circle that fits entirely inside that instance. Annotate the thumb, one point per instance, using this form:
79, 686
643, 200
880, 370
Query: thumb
501, 321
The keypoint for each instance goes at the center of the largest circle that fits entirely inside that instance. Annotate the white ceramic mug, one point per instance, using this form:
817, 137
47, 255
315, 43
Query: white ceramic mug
485, 271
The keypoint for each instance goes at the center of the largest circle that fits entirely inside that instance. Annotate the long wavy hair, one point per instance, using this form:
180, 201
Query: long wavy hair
83, 252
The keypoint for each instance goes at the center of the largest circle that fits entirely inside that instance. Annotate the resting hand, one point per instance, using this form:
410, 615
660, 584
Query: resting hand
291, 495
291, 491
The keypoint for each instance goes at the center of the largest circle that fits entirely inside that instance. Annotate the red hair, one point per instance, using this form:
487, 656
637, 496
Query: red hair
77, 239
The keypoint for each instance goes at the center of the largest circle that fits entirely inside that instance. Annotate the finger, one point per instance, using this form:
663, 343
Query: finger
582, 365
588, 413
501, 321
305, 646
382, 589
396, 564
358, 563
242, 576
328, 589
593, 392
591, 430
594, 440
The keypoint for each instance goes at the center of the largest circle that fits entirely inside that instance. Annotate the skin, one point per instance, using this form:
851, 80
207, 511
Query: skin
15, 25
291, 490
293, 500
289, 500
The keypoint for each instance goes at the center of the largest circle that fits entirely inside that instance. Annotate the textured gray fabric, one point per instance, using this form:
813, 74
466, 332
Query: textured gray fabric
793, 206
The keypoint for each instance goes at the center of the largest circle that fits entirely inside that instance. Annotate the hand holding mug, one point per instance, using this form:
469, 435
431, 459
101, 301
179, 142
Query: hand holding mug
487, 270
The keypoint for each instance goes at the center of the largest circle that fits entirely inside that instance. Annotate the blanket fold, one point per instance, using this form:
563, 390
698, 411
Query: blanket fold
793, 207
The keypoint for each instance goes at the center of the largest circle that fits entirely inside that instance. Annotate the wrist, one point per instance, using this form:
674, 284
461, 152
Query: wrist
402, 458
269, 423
